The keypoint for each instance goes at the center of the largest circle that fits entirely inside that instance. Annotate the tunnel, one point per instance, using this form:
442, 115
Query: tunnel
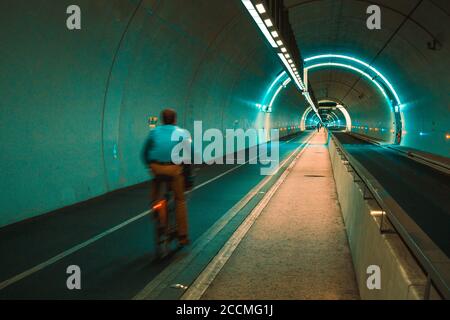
84, 82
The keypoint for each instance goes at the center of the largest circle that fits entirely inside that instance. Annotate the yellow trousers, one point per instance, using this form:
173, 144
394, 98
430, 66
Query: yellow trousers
177, 186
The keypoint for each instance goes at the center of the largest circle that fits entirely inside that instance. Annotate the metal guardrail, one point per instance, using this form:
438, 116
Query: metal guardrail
430, 257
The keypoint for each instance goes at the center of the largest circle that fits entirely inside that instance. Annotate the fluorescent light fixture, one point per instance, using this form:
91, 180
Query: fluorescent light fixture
268, 23
260, 8
270, 35
311, 103
251, 9
291, 72
248, 4
377, 212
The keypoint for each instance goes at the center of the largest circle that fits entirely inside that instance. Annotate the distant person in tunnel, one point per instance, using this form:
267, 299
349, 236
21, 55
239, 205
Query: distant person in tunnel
318, 126
157, 154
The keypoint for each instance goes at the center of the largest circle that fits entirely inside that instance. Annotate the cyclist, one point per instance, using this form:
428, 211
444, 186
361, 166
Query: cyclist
157, 154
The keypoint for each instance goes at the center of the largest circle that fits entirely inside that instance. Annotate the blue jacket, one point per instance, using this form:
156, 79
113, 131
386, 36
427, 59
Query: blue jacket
159, 145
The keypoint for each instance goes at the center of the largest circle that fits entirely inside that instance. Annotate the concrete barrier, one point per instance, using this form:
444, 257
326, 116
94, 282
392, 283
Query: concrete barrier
401, 276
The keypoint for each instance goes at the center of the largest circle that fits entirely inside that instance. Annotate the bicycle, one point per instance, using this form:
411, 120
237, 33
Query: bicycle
164, 215
164, 218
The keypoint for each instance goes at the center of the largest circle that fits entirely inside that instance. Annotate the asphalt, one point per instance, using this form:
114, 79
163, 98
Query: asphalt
120, 264
421, 191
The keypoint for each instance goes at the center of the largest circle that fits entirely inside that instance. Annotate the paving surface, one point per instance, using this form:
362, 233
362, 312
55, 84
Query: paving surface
297, 248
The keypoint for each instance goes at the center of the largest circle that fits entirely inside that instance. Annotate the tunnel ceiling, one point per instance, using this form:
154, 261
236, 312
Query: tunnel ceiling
411, 50
342, 86
340, 26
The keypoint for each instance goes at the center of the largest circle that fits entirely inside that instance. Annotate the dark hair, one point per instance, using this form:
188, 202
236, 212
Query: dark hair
169, 116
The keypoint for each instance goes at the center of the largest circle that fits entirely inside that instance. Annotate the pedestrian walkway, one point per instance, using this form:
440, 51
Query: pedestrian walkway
297, 248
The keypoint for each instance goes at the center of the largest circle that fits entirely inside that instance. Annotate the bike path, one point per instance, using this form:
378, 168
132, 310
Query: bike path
119, 264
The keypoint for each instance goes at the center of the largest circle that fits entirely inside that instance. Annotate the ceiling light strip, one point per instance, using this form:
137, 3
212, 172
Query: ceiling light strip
272, 36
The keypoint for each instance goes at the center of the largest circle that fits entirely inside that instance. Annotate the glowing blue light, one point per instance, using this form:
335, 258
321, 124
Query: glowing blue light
276, 81
393, 101
275, 95
334, 64
362, 63
286, 82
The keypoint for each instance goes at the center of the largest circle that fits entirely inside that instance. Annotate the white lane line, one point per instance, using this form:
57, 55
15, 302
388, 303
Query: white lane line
219, 176
291, 139
232, 169
80, 246
165, 278
204, 280
64, 254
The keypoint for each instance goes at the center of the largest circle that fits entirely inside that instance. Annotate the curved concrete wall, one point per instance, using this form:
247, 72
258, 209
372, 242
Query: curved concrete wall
75, 104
